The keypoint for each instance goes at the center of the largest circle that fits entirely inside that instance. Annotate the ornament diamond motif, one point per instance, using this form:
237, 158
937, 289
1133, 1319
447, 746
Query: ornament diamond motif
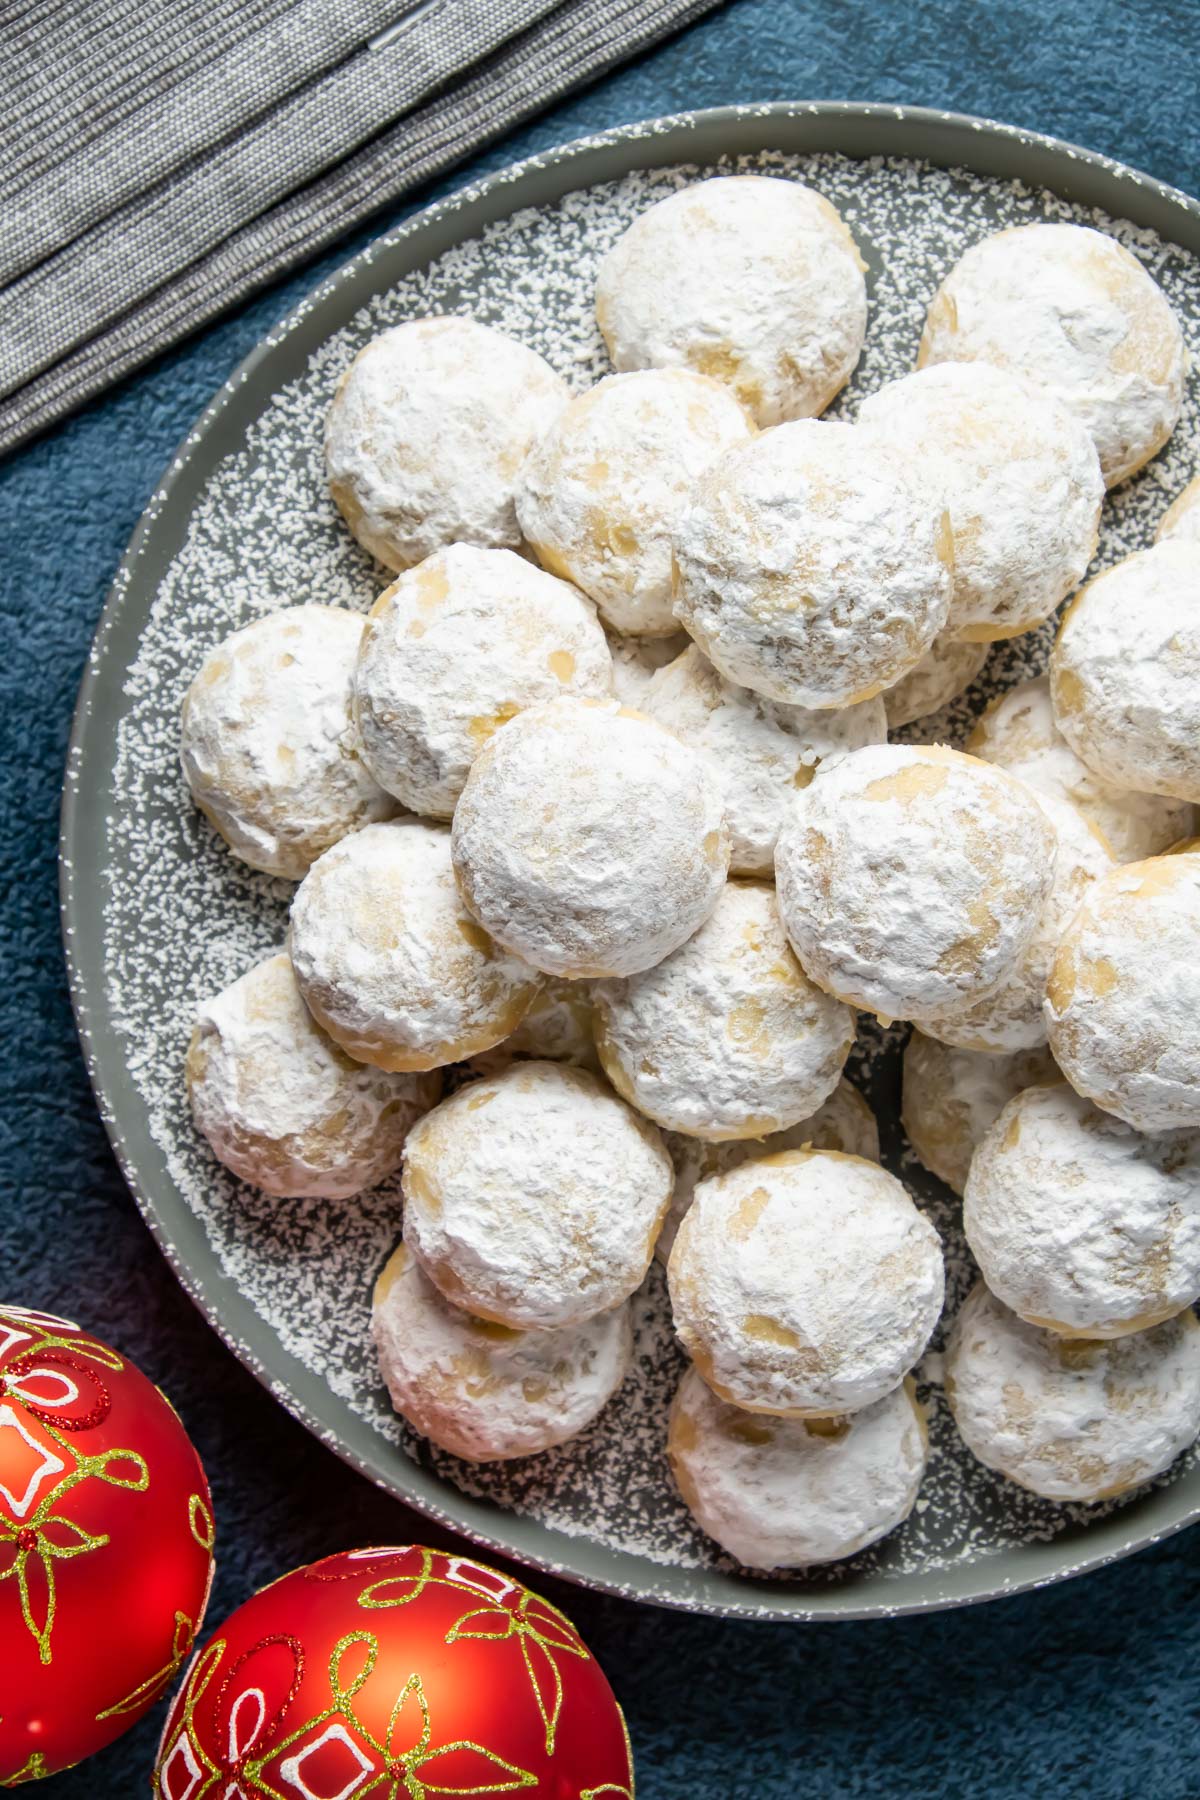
181, 1752
42, 1464
336, 1732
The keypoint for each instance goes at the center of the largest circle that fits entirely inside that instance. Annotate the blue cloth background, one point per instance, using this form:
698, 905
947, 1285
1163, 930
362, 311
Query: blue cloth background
1088, 1689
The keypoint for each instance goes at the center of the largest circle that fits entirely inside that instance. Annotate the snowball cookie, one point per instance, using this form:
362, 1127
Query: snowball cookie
1065, 1417
636, 661
1076, 314
1020, 476
727, 1037
812, 566
1125, 672
843, 1122
750, 279
1018, 733
534, 1197
589, 840
1011, 1017
948, 667
1182, 517
481, 1390
759, 750
427, 432
788, 1493
1123, 1001
282, 1105
1081, 1224
911, 878
601, 493
804, 1283
268, 743
453, 649
557, 1028
390, 961
951, 1098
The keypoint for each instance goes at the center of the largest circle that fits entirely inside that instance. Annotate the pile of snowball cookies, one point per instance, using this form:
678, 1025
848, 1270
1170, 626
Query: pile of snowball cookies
587, 901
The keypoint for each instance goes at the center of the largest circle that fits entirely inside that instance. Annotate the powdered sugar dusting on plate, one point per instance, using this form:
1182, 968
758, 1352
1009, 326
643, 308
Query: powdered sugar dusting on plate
183, 919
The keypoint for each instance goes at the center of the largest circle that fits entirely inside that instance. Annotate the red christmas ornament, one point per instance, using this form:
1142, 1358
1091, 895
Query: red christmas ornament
399, 1674
106, 1536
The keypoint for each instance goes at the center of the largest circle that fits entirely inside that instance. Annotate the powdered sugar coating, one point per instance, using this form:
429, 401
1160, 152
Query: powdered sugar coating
1125, 673
481, 1390
1182, 517
390, 961
911, 878
282, 1105
759, 750
557, 1028
268, 743
307, 1272
427, 432
726, 1037
534, 1197
1081, 318
451, 651
600, 494
842, 1122
948, 667
1018, 733
636, 661
1010, 1017
1081, 1224
1068, 1419
788, 1493
589, 840
1020, 477
813, 566
754, 281
804, 1283
952, 1098
1123, 1004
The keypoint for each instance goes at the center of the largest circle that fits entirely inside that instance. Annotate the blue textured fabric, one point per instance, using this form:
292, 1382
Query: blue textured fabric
1085, 1690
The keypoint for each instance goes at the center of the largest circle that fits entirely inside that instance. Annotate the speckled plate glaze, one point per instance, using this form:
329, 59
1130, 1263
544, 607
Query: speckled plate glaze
157, 915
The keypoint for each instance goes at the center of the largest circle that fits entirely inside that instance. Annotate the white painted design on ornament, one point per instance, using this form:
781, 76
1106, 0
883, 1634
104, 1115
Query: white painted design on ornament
289, 1770
48, 1466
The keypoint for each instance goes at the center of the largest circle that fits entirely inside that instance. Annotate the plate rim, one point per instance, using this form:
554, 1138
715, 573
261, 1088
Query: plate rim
945, 139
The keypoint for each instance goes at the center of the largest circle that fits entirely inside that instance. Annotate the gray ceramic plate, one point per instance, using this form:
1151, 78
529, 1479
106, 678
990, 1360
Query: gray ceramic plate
156, 915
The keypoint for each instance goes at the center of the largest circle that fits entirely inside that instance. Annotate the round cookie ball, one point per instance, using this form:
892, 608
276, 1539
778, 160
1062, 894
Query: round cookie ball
589, 840
1070, 1418
1020, 477
792, 1493
282, 1105
951, 1098
1081, 1224
1011, 1017
805, 1283
637, 660
557, 1028
1123, 1001
1125, 672
1182, 517
389, 960
727, 1037
911, 879
534, 1197
759, 750
752, 280
1079, 317
427, 433
481, 1390
812, 566
268, 743
455, 648
843, 1122
947, 668
601, 493
1018, 733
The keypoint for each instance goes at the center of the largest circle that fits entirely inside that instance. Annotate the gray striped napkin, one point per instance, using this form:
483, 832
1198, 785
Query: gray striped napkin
160, 159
